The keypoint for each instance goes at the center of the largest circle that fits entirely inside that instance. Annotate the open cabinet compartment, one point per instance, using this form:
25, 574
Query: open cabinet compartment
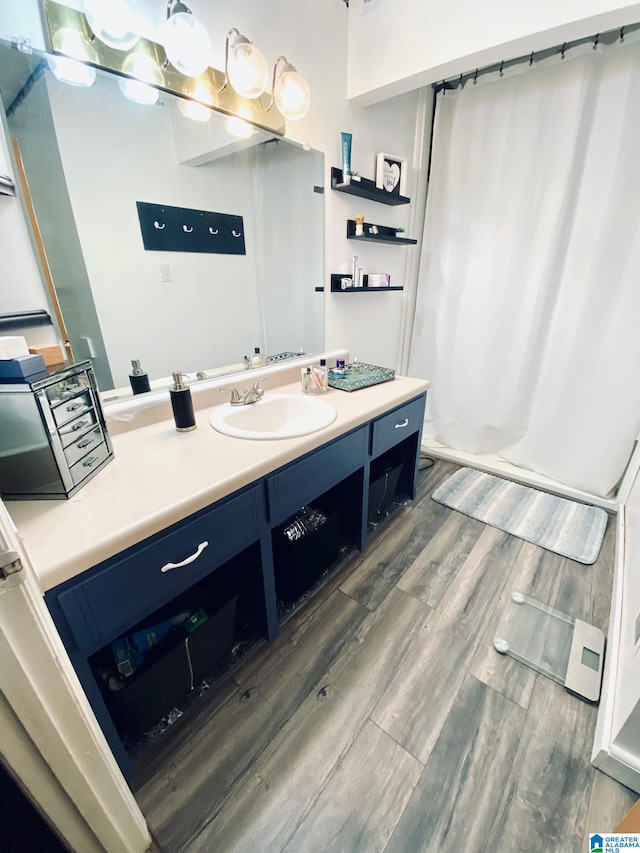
299, 565
173, 672
391, 481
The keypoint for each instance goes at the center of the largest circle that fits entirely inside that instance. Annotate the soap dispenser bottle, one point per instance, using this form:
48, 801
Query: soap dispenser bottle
138, 378
182, 404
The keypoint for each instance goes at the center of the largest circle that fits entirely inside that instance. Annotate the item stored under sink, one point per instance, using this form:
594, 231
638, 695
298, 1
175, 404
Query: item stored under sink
360, 375
304, 547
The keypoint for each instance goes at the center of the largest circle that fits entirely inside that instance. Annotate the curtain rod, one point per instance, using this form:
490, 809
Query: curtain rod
608, 37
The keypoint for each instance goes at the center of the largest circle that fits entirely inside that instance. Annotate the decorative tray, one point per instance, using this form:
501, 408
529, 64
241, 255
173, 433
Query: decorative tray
359, 375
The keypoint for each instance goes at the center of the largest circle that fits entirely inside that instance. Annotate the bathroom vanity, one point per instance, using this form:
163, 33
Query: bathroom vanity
193, 523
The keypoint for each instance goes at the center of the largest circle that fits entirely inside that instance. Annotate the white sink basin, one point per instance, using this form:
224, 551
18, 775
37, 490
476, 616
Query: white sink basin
274, 416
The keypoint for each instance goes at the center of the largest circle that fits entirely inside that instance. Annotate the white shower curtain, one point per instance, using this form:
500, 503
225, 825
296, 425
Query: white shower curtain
528, 312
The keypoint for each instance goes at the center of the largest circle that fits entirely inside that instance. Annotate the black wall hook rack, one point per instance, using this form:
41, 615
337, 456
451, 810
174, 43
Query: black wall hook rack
182, 229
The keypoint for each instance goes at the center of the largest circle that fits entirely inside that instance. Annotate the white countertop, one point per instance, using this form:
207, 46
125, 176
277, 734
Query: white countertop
160, 476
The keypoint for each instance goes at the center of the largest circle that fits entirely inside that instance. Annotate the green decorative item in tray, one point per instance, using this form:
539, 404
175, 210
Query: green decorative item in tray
359, 375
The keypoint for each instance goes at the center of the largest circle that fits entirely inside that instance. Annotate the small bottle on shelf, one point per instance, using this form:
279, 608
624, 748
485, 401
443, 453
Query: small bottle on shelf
258, 360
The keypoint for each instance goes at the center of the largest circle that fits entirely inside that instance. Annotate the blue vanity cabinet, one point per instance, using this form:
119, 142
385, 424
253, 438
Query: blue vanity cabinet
315, 473
231, 544
141, 584
392, 472
127, 588
394, 427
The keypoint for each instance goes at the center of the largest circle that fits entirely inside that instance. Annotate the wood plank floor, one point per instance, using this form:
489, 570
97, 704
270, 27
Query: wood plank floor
382, 719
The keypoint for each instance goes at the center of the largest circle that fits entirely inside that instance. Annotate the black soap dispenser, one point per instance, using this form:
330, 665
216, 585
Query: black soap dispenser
182, 404
138, 378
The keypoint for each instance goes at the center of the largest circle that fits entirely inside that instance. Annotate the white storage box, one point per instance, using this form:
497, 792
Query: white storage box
12, 347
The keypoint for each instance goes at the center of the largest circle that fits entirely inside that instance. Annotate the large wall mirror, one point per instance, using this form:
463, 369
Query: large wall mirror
90, 155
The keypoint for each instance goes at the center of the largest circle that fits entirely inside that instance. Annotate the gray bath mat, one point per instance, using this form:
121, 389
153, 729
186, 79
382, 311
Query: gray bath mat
568, 528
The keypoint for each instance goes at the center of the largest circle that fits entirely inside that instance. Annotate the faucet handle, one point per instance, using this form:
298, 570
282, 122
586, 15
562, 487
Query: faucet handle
235, 396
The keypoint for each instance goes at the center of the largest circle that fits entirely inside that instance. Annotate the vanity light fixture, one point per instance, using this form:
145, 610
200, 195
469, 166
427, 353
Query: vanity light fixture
71, 68
114, 22
237, 126
195, 106
185, 40
289, 90
245, 66
148, 75
72, 38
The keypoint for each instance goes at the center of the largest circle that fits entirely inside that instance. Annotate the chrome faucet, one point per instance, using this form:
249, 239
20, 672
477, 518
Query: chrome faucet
247, 397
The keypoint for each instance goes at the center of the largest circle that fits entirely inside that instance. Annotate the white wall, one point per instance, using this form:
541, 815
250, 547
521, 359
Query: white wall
395, 47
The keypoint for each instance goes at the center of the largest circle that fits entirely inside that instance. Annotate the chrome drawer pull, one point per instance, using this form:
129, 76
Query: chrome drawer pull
73, 407
186, 562
89, 461
79, 425
84, 443
404, 423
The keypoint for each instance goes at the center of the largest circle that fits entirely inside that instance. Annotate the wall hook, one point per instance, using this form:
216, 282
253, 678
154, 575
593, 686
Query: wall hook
157, 225
212, 231
187, 229
239, 234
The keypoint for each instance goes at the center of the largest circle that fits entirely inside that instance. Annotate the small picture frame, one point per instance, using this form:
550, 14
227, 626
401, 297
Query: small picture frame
391, 173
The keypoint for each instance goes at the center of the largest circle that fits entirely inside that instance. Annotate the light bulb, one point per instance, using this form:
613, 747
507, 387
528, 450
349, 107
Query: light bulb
187, 44
73, 70
237, 126
292, 93
198, 111
147, 74
247, 68
114, 22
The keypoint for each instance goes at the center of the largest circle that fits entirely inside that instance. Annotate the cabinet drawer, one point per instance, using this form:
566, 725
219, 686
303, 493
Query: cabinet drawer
129, 587
67, 388
311, 476
70, 431
89, 463
390, 429
83, 445
72, 408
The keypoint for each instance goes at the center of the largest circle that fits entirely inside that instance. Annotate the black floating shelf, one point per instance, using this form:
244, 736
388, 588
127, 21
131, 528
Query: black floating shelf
385, 234
336, 287
364, 188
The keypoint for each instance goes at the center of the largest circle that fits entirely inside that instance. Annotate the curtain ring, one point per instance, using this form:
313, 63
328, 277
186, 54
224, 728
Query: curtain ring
531, 59
595, 41
475, 77
564, 47
444, 88
621, 33
501, 67
460, 81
